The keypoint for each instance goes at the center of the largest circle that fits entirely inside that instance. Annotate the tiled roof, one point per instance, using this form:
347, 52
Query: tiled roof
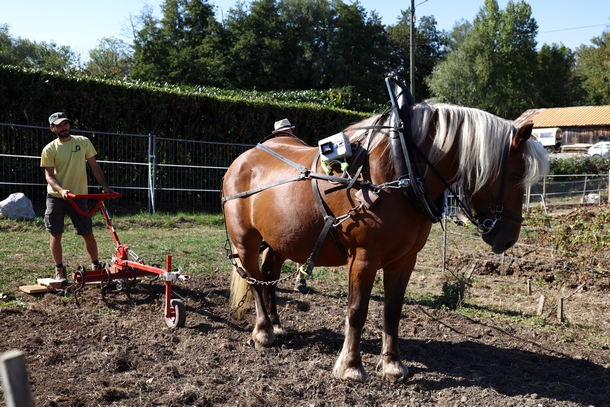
573, 116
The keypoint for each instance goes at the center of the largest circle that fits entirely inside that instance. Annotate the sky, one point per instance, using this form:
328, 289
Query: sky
82, 23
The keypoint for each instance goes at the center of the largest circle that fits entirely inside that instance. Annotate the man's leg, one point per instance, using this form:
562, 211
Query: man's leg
91, 246
56, 250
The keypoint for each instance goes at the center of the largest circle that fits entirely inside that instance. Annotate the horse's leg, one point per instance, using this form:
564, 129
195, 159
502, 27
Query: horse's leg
349, 364
271, 268
262, 335
395, 280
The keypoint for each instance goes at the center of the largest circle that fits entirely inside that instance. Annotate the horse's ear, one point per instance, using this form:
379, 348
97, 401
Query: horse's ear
523, 134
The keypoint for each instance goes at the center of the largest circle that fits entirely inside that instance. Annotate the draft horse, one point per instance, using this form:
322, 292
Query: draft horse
269, 200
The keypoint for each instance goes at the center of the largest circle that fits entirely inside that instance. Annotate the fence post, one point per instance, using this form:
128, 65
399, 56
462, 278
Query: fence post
544, 189
152, 156
445, 230
15, 382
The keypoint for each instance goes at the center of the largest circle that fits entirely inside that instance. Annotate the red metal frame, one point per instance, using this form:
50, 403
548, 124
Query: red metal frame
122, 267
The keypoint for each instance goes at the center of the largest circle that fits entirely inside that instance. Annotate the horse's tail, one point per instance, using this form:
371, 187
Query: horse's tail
240, 296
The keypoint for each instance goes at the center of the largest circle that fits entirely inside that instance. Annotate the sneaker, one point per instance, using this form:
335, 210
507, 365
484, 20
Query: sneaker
301, 286
60, 274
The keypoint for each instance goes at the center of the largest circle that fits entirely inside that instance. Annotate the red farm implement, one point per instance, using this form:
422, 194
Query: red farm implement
126, 266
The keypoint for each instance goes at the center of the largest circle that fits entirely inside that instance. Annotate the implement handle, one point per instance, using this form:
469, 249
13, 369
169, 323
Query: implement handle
99, 197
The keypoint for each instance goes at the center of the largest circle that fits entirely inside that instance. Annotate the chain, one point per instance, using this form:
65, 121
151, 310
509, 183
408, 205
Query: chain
253, 281
341, 219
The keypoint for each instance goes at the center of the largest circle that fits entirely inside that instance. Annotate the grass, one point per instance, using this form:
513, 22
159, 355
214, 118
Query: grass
197, 244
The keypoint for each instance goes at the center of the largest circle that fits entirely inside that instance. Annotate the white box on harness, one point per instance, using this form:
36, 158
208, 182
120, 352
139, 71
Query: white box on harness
335, 147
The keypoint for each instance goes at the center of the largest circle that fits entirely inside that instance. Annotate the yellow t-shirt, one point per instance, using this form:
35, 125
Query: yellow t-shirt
69, 160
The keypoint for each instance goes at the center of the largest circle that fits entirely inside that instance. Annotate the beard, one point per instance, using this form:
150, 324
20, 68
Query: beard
63, 134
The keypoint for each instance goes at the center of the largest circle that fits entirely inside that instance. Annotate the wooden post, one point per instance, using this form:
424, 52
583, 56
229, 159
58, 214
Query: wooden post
540, 305
15, 383
529, 286
560, 309
528, 194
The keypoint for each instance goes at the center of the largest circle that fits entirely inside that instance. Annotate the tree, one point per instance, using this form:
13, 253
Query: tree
429, 49
260, 56
557, 83
593, 69
176, 49
30, 54
113, 58
492, 69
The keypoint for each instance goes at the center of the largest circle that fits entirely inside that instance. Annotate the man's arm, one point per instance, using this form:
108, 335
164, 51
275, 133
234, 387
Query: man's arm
99, 174
49, 174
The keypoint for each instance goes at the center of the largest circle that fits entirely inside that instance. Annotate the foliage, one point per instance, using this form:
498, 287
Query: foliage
579, 165
582, 231
556, 83
194, 113
112, 58
491, 69
593, 69
429, 49
30, 54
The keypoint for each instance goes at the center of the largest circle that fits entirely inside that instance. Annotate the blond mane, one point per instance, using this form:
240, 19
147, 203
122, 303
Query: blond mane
482, 141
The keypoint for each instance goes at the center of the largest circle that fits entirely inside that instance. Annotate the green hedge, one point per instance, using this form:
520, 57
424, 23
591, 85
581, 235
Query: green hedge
579, 165
29, 96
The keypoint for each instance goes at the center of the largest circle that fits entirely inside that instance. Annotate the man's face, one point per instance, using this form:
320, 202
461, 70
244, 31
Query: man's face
62, 129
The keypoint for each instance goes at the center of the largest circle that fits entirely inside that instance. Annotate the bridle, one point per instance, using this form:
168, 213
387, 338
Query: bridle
413, 184
497, 208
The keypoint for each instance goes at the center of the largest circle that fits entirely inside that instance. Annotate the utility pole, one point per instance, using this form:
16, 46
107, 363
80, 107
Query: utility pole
412, 47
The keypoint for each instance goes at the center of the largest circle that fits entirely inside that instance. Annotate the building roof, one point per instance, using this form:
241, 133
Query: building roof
567, 116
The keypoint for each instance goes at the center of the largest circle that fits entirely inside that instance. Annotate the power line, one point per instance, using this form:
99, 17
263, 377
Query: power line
575, 28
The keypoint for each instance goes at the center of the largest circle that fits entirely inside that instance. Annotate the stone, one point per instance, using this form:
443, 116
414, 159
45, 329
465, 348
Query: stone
17, 207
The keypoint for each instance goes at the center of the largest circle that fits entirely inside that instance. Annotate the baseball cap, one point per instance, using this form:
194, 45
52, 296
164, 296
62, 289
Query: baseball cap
58, 117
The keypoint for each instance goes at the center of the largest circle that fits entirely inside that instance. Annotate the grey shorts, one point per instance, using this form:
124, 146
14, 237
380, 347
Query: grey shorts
57, 208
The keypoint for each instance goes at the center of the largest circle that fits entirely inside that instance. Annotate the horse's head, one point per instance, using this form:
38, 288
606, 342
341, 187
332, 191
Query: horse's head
499, 205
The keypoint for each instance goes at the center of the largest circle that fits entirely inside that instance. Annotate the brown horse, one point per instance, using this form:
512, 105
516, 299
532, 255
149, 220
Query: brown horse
485, 155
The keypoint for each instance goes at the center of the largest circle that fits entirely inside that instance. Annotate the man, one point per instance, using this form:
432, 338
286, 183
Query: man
284, 128
65, 170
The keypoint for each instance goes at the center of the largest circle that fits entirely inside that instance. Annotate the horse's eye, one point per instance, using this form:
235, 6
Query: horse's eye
517, 177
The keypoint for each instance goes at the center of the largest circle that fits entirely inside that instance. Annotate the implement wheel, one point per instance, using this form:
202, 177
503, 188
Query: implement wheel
177, 314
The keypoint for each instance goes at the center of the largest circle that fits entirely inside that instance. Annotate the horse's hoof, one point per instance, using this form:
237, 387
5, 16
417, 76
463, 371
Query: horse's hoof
263, 340
394, 372
279, 330
352, 374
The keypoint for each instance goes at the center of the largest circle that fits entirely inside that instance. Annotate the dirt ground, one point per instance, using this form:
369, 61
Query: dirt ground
117, 353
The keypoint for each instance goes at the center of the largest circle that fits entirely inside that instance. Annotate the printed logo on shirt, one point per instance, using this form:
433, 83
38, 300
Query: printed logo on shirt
76, 148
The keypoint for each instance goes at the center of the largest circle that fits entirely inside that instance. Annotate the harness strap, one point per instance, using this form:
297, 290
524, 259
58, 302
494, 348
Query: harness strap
259, 189
327, 219
404, 148
305, 174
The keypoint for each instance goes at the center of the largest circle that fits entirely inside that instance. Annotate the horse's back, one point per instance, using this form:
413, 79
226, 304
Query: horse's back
255, 167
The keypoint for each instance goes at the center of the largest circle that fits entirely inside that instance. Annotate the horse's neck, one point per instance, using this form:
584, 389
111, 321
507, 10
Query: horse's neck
382, 167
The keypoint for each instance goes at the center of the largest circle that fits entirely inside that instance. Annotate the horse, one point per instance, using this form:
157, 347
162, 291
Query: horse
268, 205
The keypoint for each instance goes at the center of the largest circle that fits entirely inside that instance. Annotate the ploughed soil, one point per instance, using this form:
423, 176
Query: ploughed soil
119, 352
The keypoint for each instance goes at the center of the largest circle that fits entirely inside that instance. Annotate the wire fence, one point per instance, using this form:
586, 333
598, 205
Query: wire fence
153, 173
171, 174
